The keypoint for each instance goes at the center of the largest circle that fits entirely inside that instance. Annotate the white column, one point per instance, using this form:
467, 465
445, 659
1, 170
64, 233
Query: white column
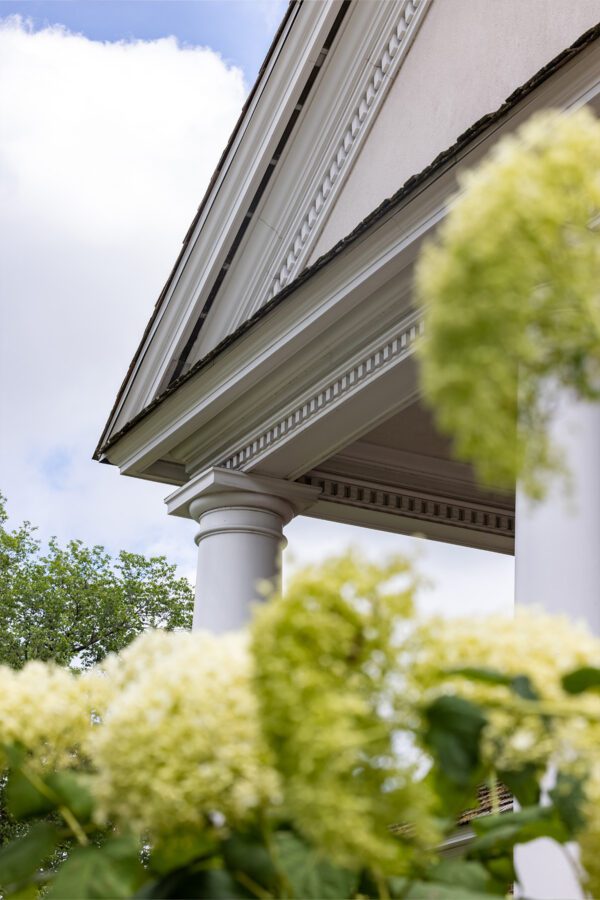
240, 539
557, 566
557, 543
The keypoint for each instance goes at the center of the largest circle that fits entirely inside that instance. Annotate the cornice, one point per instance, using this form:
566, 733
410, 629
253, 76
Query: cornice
399, 468
413, 505
379, 78
388, 352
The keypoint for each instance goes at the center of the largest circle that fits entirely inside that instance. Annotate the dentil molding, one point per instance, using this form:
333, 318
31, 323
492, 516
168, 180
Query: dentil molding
410, 504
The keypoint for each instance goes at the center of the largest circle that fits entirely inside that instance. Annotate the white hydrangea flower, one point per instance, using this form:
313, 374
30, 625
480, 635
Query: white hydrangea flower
534, 644
46, 709
180, 743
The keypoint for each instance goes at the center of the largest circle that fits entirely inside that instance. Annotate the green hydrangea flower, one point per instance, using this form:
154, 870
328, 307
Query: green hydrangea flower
511, 298
327, 664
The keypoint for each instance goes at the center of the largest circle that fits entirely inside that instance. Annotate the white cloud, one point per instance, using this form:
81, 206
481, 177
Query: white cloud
105, 151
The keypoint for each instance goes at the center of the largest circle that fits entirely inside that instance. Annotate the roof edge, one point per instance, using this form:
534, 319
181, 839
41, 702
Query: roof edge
387, 206
187, 237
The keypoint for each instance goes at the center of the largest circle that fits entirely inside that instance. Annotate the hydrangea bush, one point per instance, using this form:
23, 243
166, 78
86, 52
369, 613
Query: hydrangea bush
510, 291
327, 753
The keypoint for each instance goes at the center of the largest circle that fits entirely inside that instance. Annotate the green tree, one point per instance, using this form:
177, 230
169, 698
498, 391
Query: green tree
75, 604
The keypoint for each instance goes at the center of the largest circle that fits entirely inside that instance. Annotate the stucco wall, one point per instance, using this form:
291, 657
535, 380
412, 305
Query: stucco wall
468, 57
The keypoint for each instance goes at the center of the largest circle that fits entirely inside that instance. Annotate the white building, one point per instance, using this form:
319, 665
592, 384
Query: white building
276, 375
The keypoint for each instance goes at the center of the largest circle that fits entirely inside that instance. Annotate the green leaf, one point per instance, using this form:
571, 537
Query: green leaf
212, 884
523, 783
485, 824
462, 873
15, 754
180, 848
247, 855
522, 686
499, 834
494, 842
73, 792
453, 732
23, 799
427, 890
22, 857
476, 673
397, 886
502, 869
93, 873
568, 797
310, 876
584, 679
28, 892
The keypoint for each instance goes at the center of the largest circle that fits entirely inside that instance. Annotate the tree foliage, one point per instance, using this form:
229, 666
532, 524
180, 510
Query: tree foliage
511, 298
75, 604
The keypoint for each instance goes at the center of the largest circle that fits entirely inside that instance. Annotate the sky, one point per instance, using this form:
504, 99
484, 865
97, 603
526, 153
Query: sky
113, 114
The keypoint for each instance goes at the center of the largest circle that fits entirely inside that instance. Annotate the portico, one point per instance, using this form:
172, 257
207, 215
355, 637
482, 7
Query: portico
277, 375
310, 405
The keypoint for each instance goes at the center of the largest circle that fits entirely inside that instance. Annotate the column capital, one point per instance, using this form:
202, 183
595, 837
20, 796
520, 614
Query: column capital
218, 487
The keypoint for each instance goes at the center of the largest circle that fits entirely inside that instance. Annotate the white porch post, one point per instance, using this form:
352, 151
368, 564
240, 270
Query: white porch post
557, 544
557, 565
240, 539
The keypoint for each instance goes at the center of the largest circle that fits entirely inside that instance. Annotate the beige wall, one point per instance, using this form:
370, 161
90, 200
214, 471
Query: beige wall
468, 56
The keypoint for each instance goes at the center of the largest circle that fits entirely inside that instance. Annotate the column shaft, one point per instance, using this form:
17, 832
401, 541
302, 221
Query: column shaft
557, 566
240, 538
239, 546
557, 545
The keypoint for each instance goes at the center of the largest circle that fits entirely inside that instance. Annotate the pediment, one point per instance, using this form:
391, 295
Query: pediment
355, 78
354, 97
325, 79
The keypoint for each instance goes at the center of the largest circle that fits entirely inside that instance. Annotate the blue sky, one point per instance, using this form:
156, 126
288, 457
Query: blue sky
240, 30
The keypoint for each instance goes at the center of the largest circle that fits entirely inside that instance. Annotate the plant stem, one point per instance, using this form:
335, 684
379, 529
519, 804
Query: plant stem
74, 825
42, 788
382, 888
252, 886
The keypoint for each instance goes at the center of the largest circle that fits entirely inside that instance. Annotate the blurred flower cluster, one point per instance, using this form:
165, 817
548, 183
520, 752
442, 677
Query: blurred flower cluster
185, 719
511, 297
280, 760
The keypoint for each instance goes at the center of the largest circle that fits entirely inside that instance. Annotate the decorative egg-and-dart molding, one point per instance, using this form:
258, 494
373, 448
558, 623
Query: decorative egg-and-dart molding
370, 365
